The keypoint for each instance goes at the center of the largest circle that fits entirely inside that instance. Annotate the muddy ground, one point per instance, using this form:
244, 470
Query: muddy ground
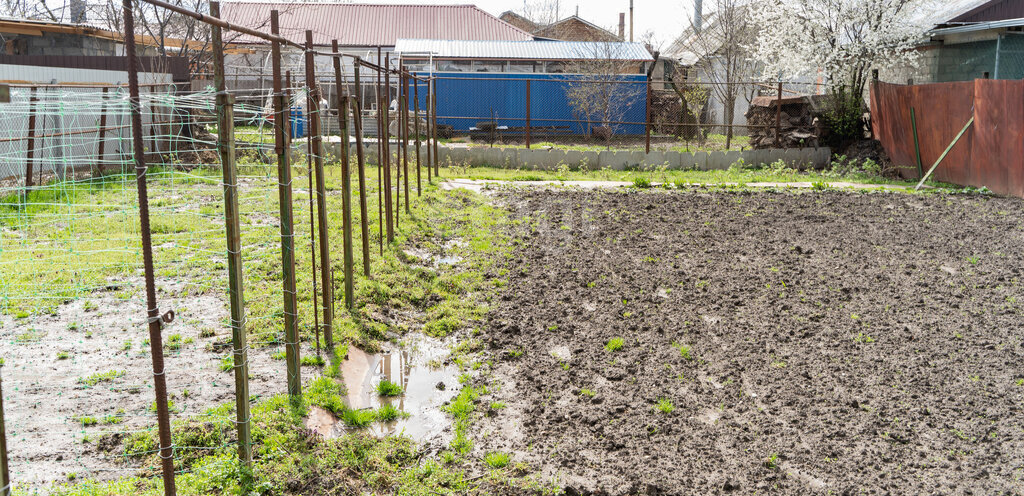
838, 343
49, 358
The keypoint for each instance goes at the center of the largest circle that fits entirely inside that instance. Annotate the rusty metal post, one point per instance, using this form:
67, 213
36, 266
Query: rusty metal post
346, 179
405, 135
226, 151
5, 474
778, 117
284, 188
380, 153
647, 119
316, 144
398, 147
388, 210
312, 218
416, 129
364, 221
98, 168
430, 152
30, 158
153, 317
433, 105
527, 114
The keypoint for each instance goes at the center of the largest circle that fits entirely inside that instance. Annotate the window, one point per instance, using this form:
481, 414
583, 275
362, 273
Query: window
488, 66
454, 66
522, 67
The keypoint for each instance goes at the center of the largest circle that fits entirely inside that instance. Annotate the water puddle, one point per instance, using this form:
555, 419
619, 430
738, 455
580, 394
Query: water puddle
425, 389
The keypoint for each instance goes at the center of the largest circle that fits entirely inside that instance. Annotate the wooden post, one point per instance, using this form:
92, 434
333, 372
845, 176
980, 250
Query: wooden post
316, 145
416, 129
30, 158
364, 221
226, 151
346, 179
647, 119
282, 145
5, 475
527, 114
944, 153
98, 168
778, 117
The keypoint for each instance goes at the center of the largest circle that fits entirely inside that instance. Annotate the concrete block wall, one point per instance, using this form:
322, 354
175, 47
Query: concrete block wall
551, 159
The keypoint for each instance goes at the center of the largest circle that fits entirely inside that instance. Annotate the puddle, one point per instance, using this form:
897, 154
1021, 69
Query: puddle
406, 366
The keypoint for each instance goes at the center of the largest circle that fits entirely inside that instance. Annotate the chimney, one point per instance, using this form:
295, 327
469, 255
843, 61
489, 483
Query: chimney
622, 26
630, 21
77, 10
698, 16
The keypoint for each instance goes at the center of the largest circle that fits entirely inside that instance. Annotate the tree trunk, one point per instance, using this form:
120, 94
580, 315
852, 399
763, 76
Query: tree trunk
729, 115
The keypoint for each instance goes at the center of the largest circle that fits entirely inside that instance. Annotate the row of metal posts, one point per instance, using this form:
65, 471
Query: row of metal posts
282, 146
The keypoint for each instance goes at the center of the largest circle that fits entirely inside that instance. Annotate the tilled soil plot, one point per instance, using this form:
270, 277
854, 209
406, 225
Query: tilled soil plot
821, 342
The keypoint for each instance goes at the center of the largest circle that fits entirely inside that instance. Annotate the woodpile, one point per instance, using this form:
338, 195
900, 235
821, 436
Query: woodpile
799, 124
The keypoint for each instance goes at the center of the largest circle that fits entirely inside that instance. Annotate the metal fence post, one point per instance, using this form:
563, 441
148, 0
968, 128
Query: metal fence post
388, 211
30, 157
527, 114
364, 221
416, 129
426, 117
346, 178
284, 187
5, 475
647, 119
226, 150
98, 168
778, 117
405, 135
433, 112
316, 143
153, 316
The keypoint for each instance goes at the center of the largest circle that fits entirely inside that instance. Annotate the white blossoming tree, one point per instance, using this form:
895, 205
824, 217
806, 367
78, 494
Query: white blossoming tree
839, 41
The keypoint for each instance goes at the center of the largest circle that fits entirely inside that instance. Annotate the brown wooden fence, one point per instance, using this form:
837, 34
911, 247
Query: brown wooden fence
990, 153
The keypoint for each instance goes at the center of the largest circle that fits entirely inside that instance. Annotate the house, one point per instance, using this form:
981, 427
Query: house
361, 29
43, 52
486, 81
974, 39
572, 28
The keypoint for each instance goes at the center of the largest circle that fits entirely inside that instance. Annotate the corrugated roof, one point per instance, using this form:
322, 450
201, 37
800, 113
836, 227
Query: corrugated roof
370, 24
527, 50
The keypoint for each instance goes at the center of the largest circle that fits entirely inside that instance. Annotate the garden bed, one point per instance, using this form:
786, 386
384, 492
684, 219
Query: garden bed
712, 341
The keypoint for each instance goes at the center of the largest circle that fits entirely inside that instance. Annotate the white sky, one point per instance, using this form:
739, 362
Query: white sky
666, 18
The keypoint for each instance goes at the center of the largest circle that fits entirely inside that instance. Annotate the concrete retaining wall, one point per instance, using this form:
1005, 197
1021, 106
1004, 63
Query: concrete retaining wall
545, 159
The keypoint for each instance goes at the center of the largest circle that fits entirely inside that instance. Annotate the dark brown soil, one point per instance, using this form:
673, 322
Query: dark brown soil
840, 343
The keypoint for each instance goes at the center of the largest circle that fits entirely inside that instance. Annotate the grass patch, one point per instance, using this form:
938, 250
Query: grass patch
388, 388
614, 344
664, 405
497, 459
99, 377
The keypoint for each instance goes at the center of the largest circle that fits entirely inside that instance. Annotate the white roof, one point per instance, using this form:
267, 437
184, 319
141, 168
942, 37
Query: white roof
525, 50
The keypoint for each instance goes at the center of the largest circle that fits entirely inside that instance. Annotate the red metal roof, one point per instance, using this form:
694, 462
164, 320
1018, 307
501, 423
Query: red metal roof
370, 24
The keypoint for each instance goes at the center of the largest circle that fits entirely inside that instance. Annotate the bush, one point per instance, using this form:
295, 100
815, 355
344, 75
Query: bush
843, 117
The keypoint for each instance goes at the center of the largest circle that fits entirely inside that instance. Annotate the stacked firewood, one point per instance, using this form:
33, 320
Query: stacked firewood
798, 124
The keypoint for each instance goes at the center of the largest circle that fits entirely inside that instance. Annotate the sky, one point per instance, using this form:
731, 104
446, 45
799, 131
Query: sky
666, 18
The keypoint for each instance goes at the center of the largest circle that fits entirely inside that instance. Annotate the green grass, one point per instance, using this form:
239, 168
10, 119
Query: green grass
614, 344
684, 350
99, 377
664, 405
497, 459
388, 388
97, 230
